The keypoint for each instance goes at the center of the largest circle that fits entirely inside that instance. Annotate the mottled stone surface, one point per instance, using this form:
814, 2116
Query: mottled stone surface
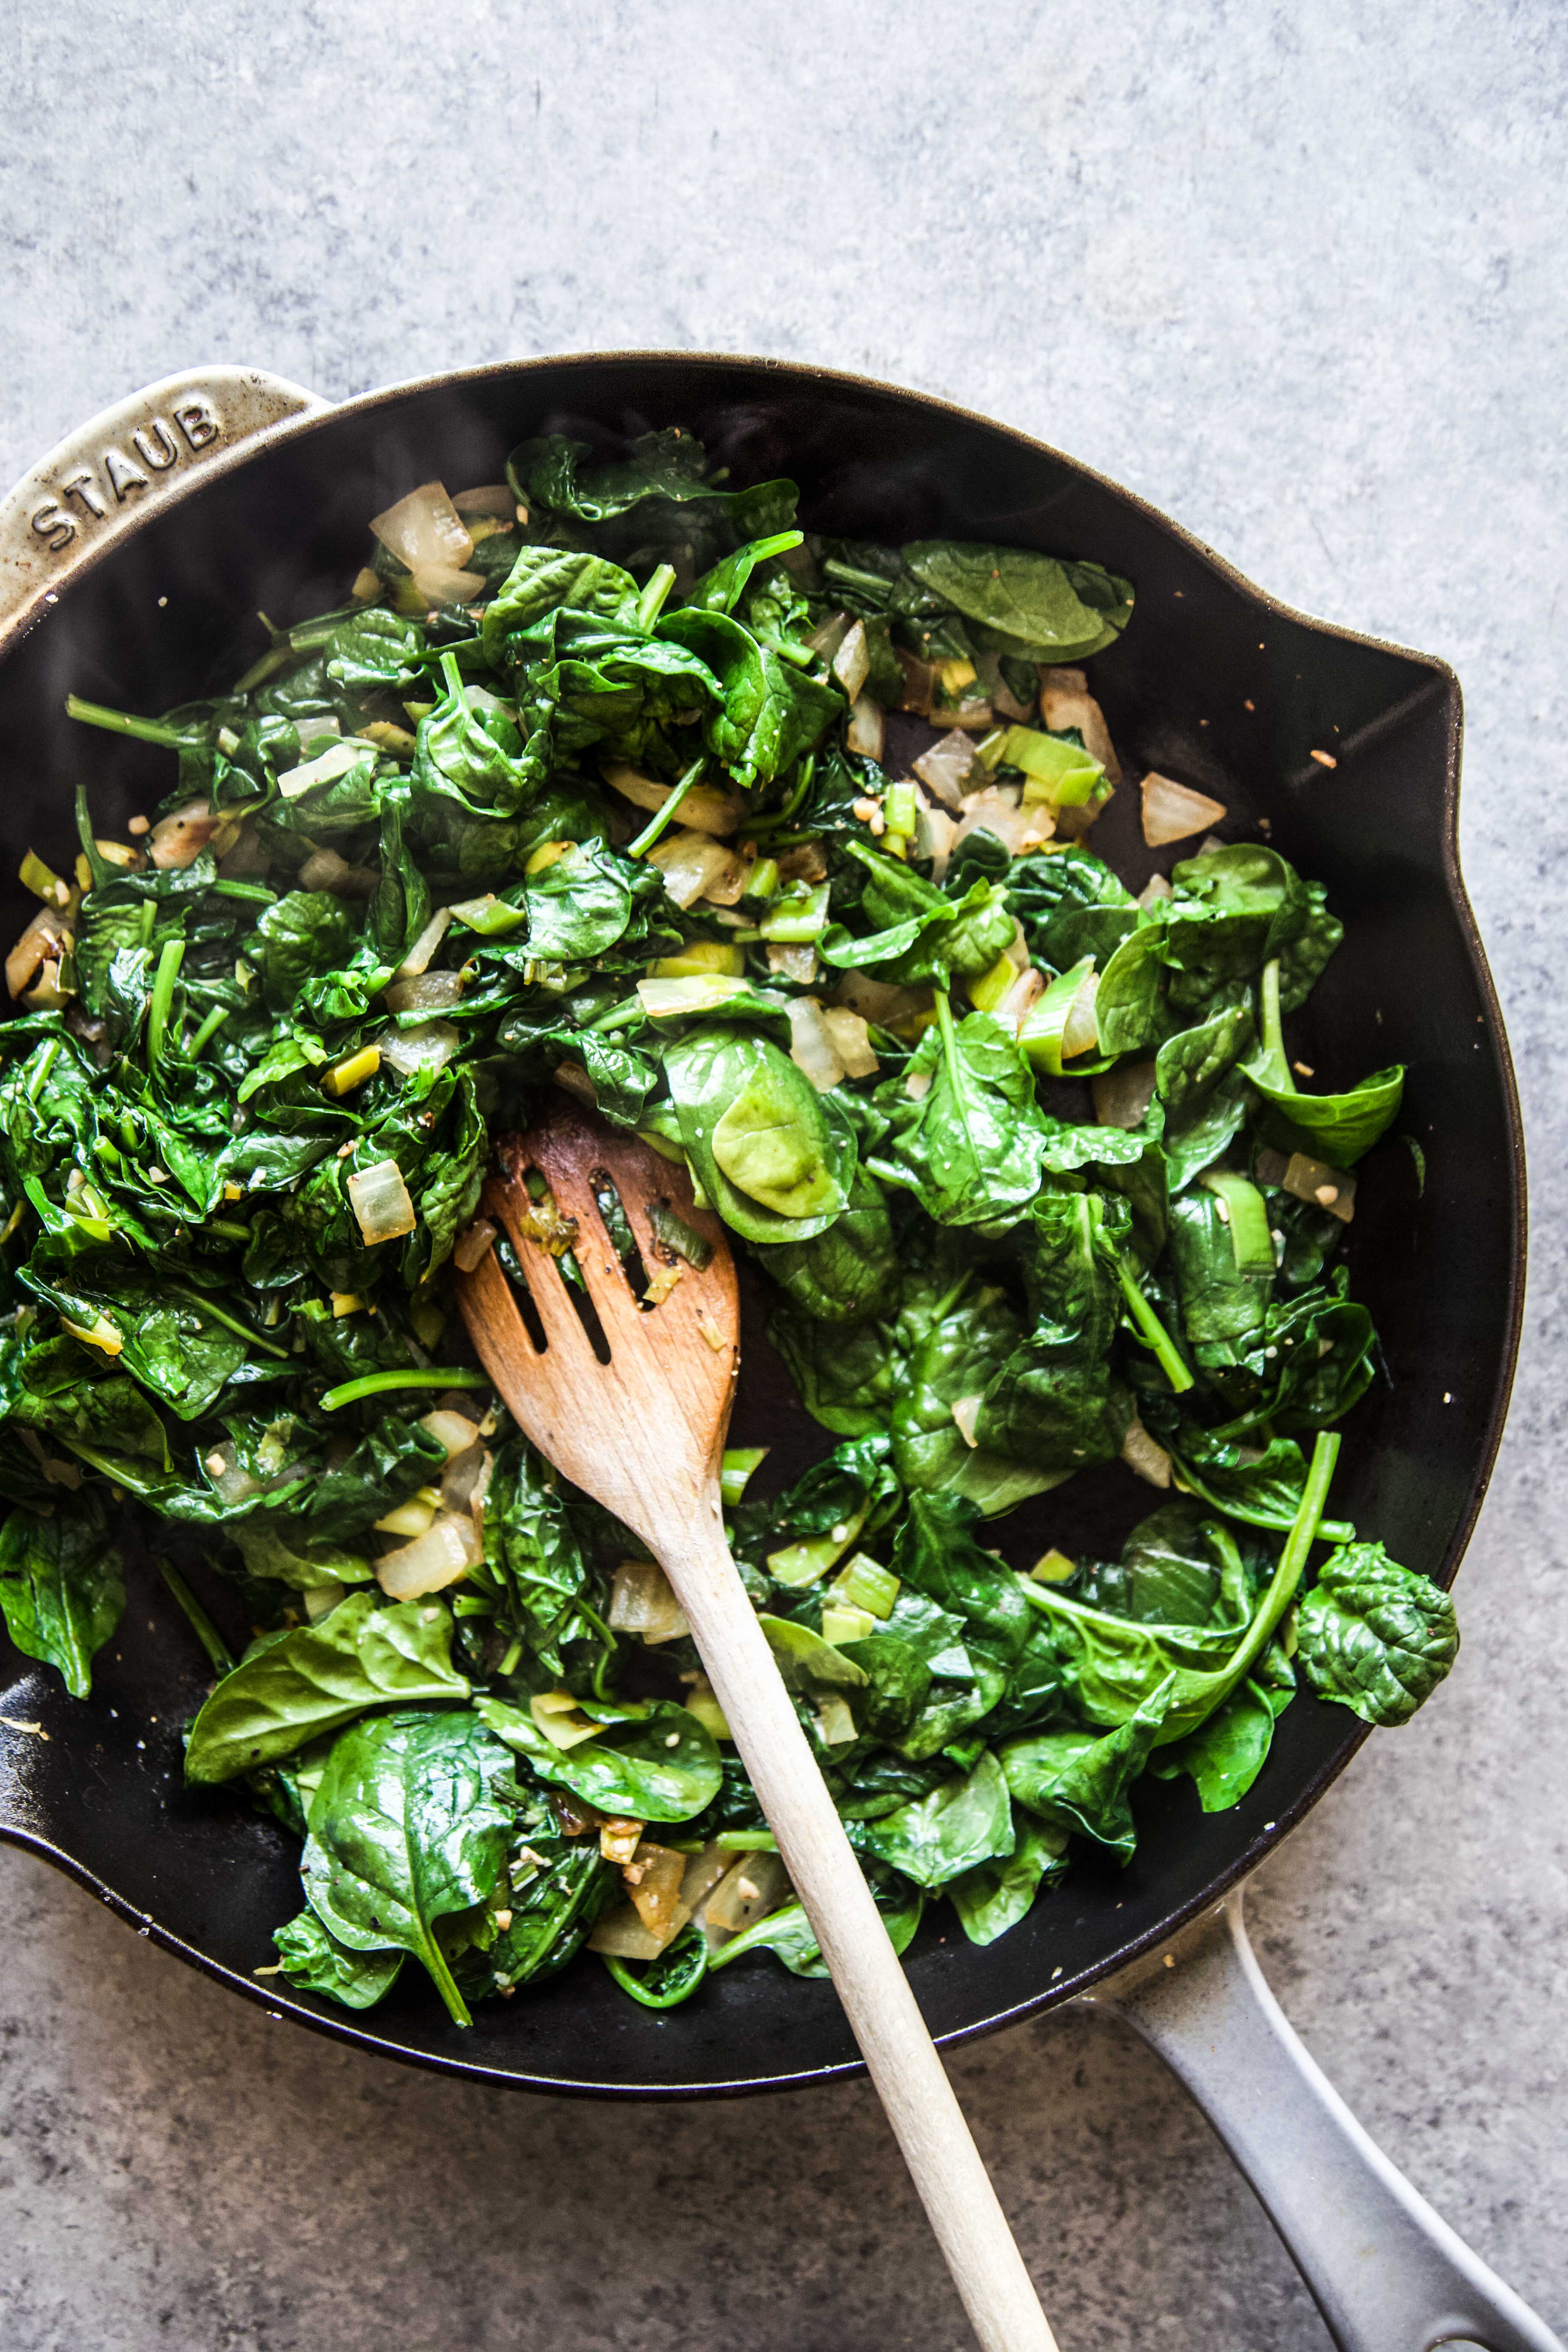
1298, 276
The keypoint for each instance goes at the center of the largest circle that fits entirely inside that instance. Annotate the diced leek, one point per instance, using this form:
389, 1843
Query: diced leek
546, 855
1044, 1038
763, 882
698, 958
864, 1583
555, 1713
1248, 1218
344, 1076
899, 808
989, 990
797, 917
840, 1625
739, 1464
1060, 773
803, 1563
1054, 1567
490, 915
43, 881
955, 675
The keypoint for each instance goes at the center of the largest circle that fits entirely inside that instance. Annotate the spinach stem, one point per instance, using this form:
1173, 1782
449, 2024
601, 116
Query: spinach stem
434, 1959
379, 1384
650, 603
203, 1305
791, 806
201, 1625
1273, 1029
1304, 1529
665, 812
149, 922
158, 1010
213, 1022
40, 1077
619, 1016
255, 893
121, 722
1167, 1354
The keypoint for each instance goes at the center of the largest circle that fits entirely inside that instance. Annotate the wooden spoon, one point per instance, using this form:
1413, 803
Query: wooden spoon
644, 1433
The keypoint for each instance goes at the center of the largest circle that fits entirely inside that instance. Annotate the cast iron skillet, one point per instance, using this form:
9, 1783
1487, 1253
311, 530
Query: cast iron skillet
1212, 683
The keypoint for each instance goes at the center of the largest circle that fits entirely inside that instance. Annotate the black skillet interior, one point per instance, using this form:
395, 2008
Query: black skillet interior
1211, 684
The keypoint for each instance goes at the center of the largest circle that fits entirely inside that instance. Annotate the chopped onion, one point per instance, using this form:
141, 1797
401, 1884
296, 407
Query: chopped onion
417, 959
1173, 812
425, 531
1326, 1188
653, 1879
1080, 1033
325, 870
852, 662
488, 498
945, 769
758, 1883
1154, 890
1121, 1097
42, 939
876, 1002
1021, 999
621, 1934
850, 1040
865, 731
334, 761
704, 809
321, 1600
795, 960
643, 1602
691, 863
920, 681
1141, 1455
966, 1412
429, 1048
730, 889
445, 1551
180, 839
995, 809
230, 1482
573, 1079
1063, 706
811, 1047
453, 1430
427, 991
379, 1199
464, 1474
703, 1872
829, 634
935, 831
472, 1244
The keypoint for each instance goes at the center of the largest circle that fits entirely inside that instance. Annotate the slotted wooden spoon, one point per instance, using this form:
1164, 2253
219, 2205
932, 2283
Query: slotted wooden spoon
645, 1435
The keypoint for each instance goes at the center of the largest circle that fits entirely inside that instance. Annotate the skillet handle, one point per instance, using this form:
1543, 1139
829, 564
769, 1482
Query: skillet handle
100, 480
1387, 2272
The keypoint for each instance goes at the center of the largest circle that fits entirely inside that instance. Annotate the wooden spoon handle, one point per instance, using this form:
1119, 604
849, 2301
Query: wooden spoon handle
911, 2080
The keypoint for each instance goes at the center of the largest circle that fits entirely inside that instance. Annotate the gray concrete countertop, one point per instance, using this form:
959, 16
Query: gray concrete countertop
1296, 274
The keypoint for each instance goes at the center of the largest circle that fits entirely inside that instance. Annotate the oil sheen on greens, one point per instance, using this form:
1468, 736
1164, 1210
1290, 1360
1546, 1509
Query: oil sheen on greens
410, 871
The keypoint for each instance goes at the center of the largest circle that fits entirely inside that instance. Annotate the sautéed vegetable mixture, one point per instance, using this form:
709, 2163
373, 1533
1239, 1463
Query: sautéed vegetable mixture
594, 782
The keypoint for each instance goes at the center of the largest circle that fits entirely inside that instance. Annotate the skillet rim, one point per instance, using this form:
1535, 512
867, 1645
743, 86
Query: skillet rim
1241, 1866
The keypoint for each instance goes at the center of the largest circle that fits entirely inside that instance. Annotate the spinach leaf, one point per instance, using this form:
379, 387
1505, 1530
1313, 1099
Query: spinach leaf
775, 1162
1373, 1636
1076, 1782
1029, 604
555, 1895
769, 714
1225, 1755
60, 1584
407, 1827
787, 1932
961, 1825
963, 1133
314, 1961
1055, 1402
1340, 1128
673, 1978
545, 580
315, 1678
994, 1896
850, 1269
628, 1767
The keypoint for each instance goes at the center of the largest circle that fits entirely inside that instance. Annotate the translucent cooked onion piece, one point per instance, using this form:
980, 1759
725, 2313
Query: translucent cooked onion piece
428, 1047
623, 1937
1172, 812
426, 531
811, 1045
379, 1199
417, 959
179, 839
653, 1879
1143, 1455
643, 1602
995, 809
758, 1883
1081, 1034
472, 1245
1123, 1096
1065, 701
852, 661
455, 1431
947, 769
692, 863
427, 991
704, 809
850, 1040
444, 1553
866, 730
1326, 1188
41, 941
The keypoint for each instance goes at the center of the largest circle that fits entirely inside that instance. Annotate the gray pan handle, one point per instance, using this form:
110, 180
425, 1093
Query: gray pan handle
143, 452
1388, 2273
